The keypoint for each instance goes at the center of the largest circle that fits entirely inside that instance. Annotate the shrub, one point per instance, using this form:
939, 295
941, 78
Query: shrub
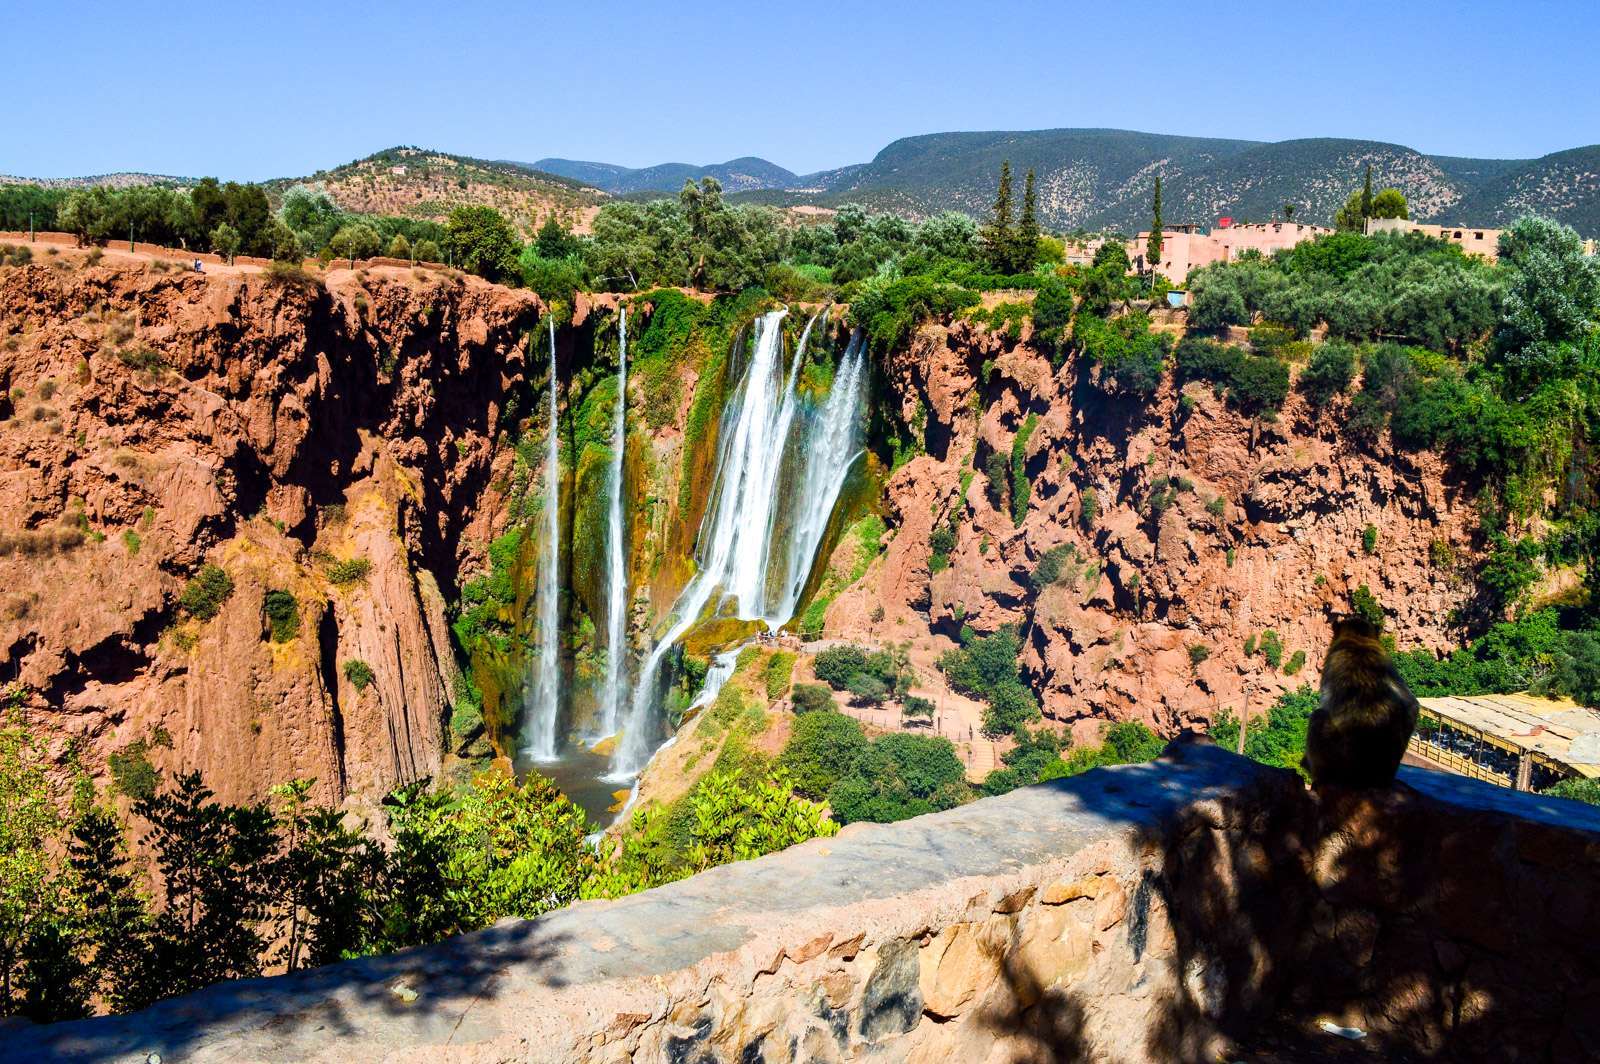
1296, 662
822, 748
131, 771
1217, 507
1021, 487
206, 591
836, 665
811, 698
1366, 606
941, 542
290, 275
1272, 648
780, 669
1253, 384
1198, 653
342, 572
998, 471
359, 673
1088, 509
1369, 539
141, 357
1131, 358
865, 687
283, 615
1332, 368
1577, 789
917, 706
131, 540
1051, 565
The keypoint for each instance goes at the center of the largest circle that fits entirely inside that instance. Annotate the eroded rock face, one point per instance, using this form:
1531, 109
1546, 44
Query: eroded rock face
1207, 529
161, 420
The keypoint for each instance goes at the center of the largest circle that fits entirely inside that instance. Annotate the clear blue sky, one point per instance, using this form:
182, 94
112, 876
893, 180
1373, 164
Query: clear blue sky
252, 90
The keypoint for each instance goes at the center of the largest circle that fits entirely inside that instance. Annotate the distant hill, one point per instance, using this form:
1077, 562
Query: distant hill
748, 174
428, 184
1103, 178
124, 179
1094, 179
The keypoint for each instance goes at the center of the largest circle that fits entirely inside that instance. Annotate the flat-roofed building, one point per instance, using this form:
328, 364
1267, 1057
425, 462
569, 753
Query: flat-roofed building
1473, 239
1185, 248
1520, 740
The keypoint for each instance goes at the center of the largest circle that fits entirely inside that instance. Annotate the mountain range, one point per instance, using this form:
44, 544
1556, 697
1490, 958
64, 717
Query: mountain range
1103, 178
1091, 179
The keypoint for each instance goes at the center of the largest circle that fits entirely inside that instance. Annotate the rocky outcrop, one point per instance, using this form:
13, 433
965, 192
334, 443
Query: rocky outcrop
278, 427
1189, 526
1201, 907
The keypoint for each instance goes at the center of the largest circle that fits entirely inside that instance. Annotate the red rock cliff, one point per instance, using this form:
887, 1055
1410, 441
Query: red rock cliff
159, 420
1147, 582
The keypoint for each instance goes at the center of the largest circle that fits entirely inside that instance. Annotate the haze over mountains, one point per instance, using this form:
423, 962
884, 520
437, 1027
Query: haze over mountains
1102, 178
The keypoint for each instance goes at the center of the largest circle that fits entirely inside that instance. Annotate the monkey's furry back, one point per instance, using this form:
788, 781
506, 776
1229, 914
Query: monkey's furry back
1359, 733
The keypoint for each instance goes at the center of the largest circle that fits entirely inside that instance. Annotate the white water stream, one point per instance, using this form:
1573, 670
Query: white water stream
768, 429
544, 721
612, 694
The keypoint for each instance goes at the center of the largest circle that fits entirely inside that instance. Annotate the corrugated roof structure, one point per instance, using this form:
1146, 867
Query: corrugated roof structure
1557, 731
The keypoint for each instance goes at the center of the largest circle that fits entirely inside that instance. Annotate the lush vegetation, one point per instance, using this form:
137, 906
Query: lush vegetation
292, 883
895, 776
226, 217
985, 667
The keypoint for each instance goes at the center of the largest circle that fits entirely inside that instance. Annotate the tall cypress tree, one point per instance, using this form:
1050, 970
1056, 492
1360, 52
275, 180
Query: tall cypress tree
1366, 196
1152, 248
998, 237
1027, 251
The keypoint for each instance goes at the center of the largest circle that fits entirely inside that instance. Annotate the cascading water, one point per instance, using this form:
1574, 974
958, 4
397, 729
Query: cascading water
768, 428
542, 738
832, 447
616, 555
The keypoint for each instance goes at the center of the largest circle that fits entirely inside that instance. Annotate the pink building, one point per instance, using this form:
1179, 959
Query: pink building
1185, 248
1474, 240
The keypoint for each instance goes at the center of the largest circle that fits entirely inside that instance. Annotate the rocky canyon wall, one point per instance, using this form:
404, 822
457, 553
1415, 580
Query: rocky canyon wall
1189, 526
282, 429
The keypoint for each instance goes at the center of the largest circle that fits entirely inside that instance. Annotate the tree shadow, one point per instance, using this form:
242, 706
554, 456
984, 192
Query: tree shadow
424, 995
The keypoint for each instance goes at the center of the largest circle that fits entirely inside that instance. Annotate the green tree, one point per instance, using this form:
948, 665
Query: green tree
1551, 303
31, 907
1390, 203
357, 240
399, 247
998, 238
225, 241
216, 863
1154, 245
822, 749
1329, 373
117, 929
1027, 248
481, 241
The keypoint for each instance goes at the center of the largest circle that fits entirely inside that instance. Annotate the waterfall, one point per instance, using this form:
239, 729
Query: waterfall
832, 448
546, 695
764, 422
616, 554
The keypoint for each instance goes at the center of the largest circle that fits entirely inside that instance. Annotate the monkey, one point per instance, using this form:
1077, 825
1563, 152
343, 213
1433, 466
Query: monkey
1358, 734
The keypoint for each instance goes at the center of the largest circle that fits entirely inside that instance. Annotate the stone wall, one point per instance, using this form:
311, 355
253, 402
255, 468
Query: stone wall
1198, 905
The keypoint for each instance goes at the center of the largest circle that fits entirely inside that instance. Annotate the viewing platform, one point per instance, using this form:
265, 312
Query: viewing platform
1198, 905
